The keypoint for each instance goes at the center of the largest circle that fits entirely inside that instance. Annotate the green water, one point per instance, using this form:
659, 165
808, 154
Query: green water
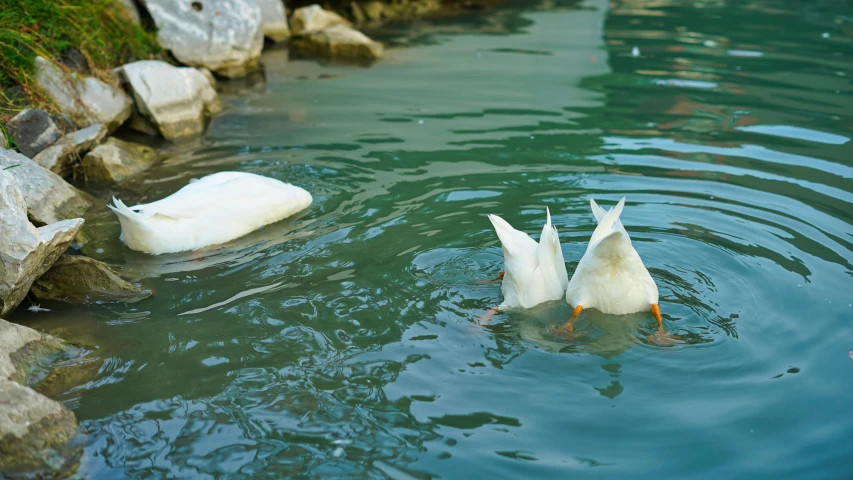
344, 343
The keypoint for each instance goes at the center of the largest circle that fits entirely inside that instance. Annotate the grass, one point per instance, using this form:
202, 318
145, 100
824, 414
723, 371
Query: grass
99, 29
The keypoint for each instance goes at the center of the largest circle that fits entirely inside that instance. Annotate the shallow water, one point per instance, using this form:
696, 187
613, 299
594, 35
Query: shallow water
345, 342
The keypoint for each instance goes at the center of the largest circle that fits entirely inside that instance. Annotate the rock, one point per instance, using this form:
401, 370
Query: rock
48, 197
86, 99
59, 158
79, 279
336, 43
64, 123
222, 35
141, 124
374, 10
23, 352
175, 100
33, 131
130, 9
273, 20
36, 434
26, 251
116, 160
313, 18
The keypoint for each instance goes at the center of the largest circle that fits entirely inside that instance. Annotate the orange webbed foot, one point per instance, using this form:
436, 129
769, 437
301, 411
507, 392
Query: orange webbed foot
567, 329
487, 317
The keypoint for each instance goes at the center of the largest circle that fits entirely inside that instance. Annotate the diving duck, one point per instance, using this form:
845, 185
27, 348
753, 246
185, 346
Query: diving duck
611, 277
208, 211
534, 272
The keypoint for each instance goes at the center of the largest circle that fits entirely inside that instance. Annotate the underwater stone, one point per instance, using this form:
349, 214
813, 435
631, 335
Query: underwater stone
80, 279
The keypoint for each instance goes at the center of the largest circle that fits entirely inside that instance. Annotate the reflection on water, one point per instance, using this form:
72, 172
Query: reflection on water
345, 342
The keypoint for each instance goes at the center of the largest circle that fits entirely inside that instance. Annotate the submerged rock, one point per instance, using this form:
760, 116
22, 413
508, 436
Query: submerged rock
313, 18
23, 352
86, 99
79, 279
273, 20
116, 160
36, 434
48, 197
222, 35
175, 100
337, 43
33, 131
26, 251
59, 158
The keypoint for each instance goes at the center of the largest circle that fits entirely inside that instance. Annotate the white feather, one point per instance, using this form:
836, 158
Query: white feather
534, 272
215, 209
611, 276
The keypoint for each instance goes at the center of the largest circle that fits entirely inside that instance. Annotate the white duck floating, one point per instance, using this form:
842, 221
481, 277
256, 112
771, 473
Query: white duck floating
534, 272
611, 277
214, 209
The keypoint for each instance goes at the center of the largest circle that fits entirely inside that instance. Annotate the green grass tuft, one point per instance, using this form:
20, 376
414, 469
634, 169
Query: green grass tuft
99, 29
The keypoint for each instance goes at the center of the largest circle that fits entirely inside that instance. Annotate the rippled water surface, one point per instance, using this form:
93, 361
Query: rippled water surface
345, 342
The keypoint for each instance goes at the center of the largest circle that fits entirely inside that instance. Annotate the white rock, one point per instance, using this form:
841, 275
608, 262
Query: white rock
336, 43
223, 35
48, 197
273, 20
26, 251
313, 18
59, 157
175, 100
86, 99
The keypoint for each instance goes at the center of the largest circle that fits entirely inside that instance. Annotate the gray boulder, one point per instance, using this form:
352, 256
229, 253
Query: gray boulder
79, 279
222, 35
273, 20
60, 157
175, 100
48, 197
86, 99
26, 251
339, 43
33, 131
36, 434
314, 18
116, 160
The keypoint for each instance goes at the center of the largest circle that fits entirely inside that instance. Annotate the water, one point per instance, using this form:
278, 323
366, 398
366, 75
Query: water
344, 342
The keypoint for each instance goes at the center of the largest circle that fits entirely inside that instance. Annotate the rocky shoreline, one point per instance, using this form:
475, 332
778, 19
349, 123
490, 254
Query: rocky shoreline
45, 160
41, 209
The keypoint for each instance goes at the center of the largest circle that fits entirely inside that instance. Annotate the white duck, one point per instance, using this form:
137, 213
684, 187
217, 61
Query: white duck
611, 277
534, 272
211, 210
